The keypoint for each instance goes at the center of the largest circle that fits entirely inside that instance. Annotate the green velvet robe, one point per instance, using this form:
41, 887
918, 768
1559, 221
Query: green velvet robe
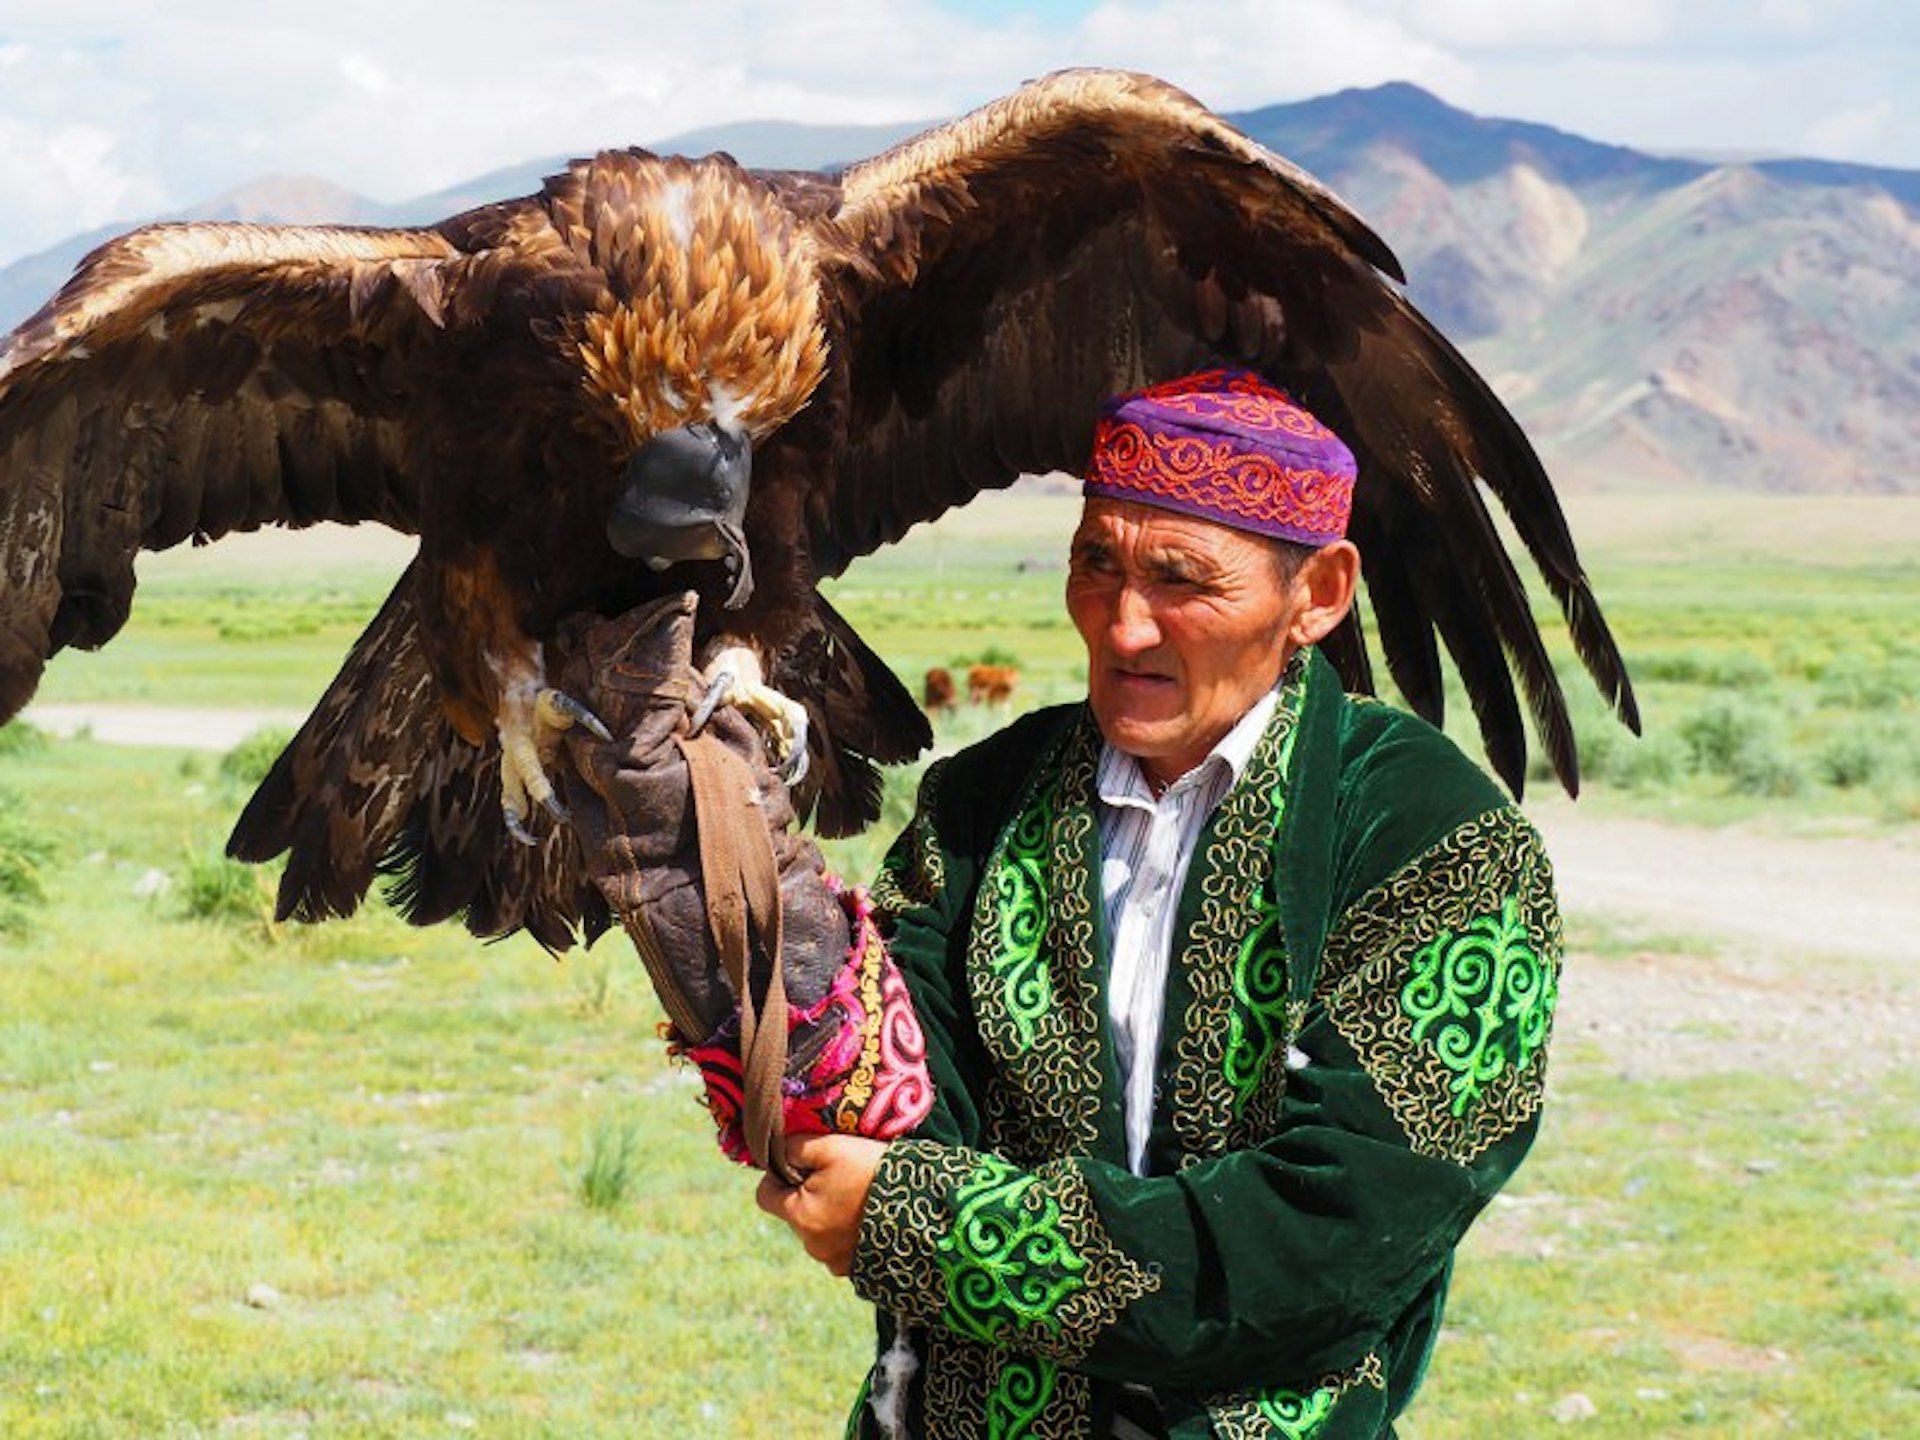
1351, 1064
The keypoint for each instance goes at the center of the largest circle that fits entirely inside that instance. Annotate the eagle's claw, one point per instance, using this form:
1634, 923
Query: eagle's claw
733, 677
720, 683
530, 732
556, 707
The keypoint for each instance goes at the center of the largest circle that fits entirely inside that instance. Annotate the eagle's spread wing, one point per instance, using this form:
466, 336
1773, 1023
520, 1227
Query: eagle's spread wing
1097, 231
190, 381
377, 782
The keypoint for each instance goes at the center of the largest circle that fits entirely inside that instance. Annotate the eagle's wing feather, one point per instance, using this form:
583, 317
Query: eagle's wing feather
1097, 231
190, 381
378, 782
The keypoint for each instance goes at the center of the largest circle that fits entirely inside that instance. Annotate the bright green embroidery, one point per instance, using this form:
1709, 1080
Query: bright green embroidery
1030, 966
1290, 1414
1258, 1023
1293, 1415
1482, 999
1225, 1087
1006, 1261
1019, 1396
1020, 888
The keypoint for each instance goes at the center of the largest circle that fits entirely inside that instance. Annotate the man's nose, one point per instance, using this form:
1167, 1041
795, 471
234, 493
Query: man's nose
1133, 628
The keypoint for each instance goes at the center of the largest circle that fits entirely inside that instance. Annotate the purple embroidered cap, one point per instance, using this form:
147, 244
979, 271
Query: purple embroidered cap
1226, 446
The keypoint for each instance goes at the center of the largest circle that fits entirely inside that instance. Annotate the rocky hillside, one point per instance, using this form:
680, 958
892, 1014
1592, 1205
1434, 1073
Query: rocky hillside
1655, 321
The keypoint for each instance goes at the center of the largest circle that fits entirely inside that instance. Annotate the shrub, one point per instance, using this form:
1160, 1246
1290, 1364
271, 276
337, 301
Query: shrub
1869, 751
1745, 744
20, 738
219, 888
1649, 762
991, 655
247, 764
1699, 665
1860, 682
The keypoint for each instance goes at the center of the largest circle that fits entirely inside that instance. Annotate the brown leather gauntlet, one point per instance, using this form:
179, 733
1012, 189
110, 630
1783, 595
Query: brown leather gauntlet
690, 839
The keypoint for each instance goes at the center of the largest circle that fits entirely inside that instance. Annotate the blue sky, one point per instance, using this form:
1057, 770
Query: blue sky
114, 110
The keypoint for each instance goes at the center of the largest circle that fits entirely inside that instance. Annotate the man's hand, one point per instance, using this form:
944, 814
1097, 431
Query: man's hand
824, 1209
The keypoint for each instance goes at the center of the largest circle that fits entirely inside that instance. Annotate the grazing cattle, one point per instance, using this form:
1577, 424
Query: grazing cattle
991, 684
939, 695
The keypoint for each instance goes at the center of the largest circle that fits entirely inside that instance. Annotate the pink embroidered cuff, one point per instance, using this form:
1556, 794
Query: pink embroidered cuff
857, 1061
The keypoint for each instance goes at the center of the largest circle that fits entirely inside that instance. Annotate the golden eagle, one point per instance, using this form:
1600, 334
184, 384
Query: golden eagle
663, 372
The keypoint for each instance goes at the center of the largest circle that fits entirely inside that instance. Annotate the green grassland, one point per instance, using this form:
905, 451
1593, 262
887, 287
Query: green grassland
359, 1179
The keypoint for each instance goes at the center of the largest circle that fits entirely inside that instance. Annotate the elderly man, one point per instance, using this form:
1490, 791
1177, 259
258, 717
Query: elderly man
1234, 991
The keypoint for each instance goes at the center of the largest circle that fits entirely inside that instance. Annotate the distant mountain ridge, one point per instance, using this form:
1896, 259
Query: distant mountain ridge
1654, 320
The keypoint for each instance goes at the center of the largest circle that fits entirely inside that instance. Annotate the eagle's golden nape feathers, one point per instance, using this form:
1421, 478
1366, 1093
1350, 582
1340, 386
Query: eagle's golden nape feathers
712, 306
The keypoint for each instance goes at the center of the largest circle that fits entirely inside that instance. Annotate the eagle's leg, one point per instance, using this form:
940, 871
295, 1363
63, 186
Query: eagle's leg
531, 720
733, 677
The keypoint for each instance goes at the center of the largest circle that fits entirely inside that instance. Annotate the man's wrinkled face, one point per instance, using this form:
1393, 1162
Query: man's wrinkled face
1184, 622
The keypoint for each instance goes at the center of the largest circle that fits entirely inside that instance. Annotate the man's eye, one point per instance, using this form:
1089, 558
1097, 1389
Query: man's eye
1094, 562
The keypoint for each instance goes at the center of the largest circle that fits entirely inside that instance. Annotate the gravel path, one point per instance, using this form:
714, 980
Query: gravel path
166, 726
1737, 949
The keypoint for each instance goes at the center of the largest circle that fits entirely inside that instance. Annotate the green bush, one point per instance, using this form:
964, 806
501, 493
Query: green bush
1701, 665
1745, 743
216, 887
247, 764
1869, 751
20, 738
991, 655
1649, 762
1860, 682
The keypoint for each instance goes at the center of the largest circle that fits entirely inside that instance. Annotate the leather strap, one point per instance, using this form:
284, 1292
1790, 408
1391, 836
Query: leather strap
742, 884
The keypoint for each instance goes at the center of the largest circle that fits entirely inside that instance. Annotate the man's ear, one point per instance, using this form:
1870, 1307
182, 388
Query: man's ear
1323, 591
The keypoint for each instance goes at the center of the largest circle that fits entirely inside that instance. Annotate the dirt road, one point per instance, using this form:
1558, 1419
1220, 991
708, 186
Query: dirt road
1737, 949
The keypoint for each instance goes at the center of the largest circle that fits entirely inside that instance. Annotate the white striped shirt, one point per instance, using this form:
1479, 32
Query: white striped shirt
1146, 846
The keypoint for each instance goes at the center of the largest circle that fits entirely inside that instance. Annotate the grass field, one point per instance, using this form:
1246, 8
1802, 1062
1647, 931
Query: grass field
361, 1180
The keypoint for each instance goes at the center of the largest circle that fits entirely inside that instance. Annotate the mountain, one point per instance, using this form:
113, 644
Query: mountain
1655, 320
28, 283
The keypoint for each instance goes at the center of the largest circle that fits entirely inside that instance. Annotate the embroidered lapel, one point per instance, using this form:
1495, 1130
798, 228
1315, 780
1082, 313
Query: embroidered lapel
1035, 974
1230, 1009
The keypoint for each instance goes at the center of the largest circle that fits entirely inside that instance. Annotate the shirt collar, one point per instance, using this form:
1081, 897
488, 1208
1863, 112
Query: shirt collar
1120, 779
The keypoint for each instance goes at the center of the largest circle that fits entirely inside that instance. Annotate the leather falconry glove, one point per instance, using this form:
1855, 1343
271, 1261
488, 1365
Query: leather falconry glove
691, 840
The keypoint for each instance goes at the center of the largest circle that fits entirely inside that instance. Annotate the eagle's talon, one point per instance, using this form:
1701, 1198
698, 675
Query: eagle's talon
720, 684
561, 711
532, 718
734, 678
517, 827
793, 766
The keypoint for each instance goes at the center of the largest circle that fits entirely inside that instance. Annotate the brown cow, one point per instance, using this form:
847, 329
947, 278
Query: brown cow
991, 684
938, 696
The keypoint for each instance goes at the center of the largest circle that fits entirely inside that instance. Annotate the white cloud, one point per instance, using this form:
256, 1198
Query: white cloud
1237, 54
1852, 131
120, 108
1530, 24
